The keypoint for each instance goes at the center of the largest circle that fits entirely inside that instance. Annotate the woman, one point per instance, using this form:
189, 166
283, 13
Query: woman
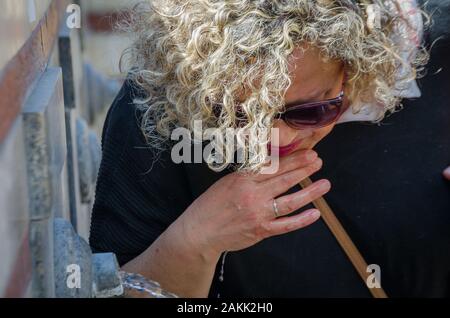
296, 66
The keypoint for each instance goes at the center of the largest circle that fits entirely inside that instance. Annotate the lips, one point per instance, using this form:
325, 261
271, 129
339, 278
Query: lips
286, 150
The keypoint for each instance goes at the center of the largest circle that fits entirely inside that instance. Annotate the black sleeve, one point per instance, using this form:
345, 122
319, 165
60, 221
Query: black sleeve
139, 191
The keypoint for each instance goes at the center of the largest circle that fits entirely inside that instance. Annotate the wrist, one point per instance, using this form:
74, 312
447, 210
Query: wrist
194, 242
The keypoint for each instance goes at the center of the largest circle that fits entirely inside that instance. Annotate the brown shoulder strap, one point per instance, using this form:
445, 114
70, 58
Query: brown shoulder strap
344, 241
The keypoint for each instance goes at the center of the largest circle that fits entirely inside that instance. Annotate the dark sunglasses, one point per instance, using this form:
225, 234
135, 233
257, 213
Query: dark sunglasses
314, 114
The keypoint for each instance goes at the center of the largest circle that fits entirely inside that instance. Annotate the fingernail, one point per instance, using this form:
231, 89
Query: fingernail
311, 156
317, 162
314, 214
324, 185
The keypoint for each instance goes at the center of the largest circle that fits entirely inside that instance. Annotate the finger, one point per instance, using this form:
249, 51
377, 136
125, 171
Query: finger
295, 160
446, 173
292, 202
292, 223
282, 183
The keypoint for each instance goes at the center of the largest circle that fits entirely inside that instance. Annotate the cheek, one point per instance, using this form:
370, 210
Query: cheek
286, 133
323, 132
311, 137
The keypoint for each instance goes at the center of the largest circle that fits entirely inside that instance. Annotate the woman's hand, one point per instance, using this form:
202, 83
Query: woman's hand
238, 211
234, 213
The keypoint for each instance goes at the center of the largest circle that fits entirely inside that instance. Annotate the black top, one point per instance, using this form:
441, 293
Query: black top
387, 190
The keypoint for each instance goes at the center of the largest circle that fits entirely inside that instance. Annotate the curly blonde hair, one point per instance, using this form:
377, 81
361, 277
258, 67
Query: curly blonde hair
193, 57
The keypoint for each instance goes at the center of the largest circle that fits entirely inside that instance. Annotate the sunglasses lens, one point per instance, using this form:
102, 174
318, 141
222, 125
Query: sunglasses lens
317, 115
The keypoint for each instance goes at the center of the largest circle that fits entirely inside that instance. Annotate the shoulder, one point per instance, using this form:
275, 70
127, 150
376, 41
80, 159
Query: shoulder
123, 114
122, 135
140, 191
128, 161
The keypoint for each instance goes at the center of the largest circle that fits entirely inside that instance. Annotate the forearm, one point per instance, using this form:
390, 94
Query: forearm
177, 264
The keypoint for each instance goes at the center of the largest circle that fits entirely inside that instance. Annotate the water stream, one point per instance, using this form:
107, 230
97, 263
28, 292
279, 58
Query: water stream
137, 286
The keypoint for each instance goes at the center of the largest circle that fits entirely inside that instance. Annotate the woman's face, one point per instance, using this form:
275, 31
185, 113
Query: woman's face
312, 80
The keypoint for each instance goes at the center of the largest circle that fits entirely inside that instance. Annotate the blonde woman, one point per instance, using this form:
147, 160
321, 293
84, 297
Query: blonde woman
297, 66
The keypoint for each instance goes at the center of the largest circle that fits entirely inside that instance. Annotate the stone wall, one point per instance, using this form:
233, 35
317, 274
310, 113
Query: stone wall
50, 98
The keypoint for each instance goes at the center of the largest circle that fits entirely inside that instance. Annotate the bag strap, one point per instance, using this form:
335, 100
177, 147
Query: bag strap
344, 241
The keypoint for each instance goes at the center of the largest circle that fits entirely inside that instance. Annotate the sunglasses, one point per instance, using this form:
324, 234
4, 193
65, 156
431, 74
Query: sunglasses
314, 114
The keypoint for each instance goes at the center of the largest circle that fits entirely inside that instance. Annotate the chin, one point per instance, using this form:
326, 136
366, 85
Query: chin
307, 146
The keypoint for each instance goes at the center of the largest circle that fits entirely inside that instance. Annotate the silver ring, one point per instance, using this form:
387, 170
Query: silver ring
275, 208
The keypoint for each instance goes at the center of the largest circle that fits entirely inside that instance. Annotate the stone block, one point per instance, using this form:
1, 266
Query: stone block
45, 144
15, 267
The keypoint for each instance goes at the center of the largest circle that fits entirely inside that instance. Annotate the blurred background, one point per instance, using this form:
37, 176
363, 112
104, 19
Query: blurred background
59, 72
103, 43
